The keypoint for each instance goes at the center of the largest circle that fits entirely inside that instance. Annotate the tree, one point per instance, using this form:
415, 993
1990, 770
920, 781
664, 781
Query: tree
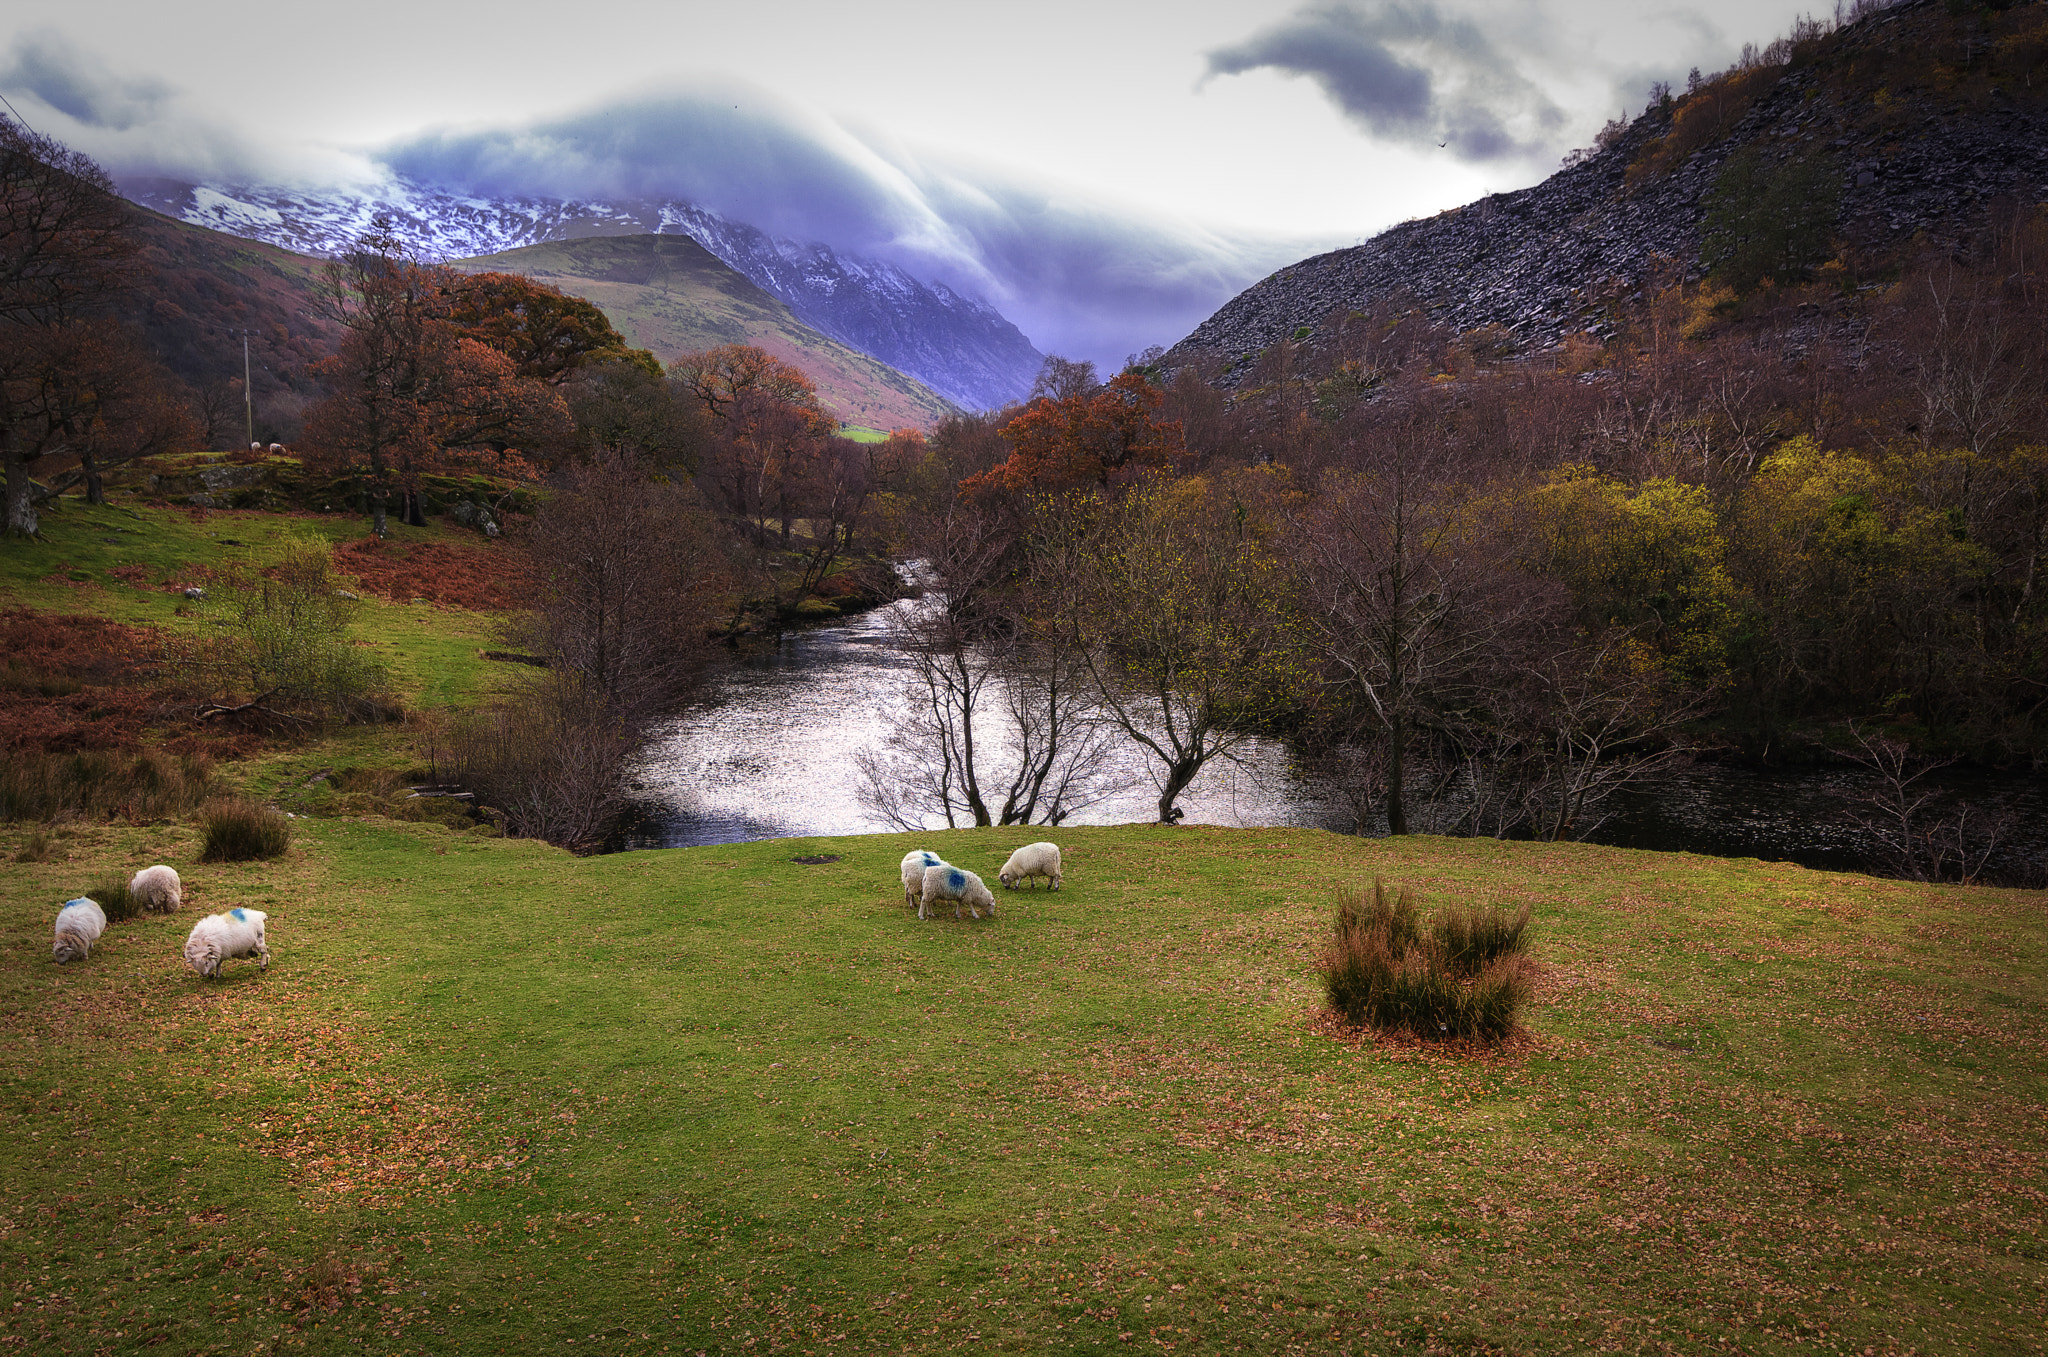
996, 724
548, 335
1406, 589
276, 647
1768, 222
1181, 618
772, 431
1083, 439
65, 252
408, 389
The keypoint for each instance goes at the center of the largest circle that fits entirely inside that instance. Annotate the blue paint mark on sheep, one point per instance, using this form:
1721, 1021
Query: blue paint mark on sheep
81, 900
237, 914
932, 859
956, 880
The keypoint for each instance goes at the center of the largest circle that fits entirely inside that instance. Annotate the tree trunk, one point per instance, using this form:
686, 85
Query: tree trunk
377, 523
1178, 776
95, 487
1397, 811
21, 505
413, 517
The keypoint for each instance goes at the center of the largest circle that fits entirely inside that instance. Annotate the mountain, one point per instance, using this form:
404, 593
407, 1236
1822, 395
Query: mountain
1923, 117
958, 346
669, 294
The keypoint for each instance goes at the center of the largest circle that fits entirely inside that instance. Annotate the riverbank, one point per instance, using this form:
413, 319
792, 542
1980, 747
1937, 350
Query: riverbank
490, 1096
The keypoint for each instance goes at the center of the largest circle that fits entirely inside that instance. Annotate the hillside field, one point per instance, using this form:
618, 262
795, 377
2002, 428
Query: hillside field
490, 1097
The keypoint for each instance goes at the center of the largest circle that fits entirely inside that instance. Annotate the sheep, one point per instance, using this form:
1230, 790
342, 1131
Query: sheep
157, 890
914, 863
277, 449
79, 925
215, 938
1033, 859
959, 885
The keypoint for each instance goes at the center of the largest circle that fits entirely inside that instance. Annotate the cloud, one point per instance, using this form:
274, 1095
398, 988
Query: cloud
1080, 276
45, 65
1407, 73
141, 125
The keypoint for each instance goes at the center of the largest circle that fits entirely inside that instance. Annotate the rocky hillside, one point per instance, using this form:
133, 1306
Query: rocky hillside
958, 346
1925, 120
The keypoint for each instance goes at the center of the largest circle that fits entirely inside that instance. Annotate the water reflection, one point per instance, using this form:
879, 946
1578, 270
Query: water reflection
769, 753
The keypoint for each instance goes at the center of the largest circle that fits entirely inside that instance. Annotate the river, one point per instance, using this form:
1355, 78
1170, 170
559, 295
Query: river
768, 752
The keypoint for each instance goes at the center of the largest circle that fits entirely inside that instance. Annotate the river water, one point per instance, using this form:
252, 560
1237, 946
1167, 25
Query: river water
768, 752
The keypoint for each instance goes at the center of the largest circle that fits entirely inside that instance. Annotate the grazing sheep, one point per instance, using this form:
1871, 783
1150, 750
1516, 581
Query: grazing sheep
157, 890
79, 925
276, 449
960, 886
215, 938
914, 863
1033, 859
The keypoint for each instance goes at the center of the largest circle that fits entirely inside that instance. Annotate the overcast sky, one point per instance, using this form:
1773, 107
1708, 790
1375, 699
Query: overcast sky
1107, 173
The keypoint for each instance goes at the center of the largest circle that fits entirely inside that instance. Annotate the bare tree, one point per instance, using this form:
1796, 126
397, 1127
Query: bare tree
1924, 833
66, 250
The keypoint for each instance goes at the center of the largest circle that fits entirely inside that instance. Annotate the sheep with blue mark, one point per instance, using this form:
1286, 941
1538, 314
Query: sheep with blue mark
1033, 859
79, 925
959, 885
914, 863
218, 937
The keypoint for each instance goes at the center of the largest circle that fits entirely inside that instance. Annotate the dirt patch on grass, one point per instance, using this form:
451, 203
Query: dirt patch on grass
485, 578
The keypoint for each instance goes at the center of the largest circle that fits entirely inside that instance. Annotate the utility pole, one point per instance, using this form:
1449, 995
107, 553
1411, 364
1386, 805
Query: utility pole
248, 395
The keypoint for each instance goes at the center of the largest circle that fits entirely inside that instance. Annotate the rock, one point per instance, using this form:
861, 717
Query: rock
469, 514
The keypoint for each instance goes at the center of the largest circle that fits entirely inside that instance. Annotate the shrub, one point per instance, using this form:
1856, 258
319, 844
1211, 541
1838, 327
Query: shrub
100, 784
111, 892
1461, 977
1471, 937
240, 830
38, 847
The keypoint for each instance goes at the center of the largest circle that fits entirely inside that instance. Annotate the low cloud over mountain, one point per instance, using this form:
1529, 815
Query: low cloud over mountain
1080, 277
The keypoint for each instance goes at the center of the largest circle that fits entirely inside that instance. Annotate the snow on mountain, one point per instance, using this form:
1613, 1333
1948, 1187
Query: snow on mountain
959, 346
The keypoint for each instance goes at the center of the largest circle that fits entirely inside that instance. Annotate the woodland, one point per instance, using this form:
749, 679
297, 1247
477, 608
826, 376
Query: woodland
1788, 502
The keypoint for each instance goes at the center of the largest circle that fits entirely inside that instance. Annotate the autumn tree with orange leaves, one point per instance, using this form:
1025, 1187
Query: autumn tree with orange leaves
1085, 438
412, 394
548, 335
775, 435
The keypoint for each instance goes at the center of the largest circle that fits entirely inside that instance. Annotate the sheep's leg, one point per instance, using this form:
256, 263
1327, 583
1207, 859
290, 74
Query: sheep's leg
263, 956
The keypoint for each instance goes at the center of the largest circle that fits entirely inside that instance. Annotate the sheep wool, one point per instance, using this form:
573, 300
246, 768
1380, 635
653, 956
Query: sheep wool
960, 886
1033, 859
218, 937
79, 925
914, 863
157, 890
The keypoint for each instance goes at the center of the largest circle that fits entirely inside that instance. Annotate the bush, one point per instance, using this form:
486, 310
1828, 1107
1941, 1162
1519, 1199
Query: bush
151, 785
240, 830
111, 893
1461, 977
38, 847
554, 771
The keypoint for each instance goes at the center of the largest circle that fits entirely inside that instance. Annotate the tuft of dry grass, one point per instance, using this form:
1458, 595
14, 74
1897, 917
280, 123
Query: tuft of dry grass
241, 830
1460, 977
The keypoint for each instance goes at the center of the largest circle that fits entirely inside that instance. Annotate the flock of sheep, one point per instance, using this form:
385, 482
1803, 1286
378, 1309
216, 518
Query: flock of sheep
214, 939
929, 879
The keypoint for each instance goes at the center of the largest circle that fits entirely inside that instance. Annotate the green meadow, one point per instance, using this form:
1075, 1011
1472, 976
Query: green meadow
490, 1097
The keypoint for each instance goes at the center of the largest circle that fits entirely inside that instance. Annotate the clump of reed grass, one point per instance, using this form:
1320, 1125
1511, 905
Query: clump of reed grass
37, 847
110, 892
241, 830
99, 784
1460, 975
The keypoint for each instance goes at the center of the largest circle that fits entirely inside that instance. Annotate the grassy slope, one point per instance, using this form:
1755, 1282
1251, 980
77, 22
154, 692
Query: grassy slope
494, 1098
702, 1097
670, 295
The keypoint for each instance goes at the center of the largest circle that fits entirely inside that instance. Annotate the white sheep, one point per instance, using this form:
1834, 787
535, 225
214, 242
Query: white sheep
959, 885
157, 890
914, 863
215, 938
1033, 859
79, 925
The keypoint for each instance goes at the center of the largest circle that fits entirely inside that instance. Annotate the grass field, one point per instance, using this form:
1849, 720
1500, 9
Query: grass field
493, 1098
